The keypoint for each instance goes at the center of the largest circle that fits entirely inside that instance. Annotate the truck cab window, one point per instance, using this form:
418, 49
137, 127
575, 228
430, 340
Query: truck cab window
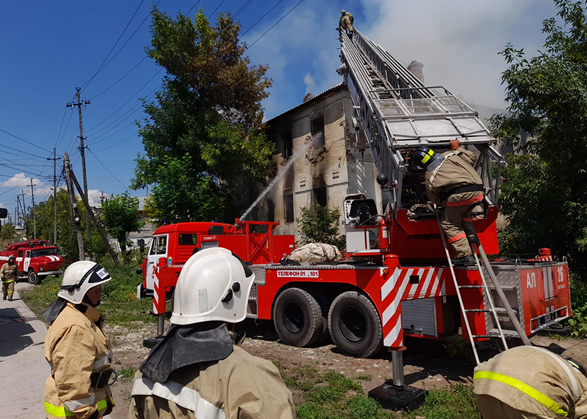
188, 239
159, 246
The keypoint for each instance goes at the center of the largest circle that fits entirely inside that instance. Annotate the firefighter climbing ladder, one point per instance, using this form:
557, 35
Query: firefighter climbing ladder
486, 297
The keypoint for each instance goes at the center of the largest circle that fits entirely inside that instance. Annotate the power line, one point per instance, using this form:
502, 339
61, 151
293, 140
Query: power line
105, 168
261, 18
102, 66
120, 79
275, 24
22, 139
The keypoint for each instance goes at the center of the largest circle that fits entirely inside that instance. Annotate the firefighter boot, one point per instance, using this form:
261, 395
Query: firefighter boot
464, 261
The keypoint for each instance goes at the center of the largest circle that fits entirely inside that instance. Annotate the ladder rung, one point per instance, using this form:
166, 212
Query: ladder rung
471, 286
477, 310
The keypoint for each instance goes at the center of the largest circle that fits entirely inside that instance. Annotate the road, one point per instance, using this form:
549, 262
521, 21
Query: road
23, 367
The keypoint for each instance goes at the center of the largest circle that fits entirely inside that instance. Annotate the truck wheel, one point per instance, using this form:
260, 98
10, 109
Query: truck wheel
354, 325
33, 278
297, 317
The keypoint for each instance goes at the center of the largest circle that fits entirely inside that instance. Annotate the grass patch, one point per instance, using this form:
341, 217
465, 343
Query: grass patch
331, 395
126, 373
455, 402
119, 304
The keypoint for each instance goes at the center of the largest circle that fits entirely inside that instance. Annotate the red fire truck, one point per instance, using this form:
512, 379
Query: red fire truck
397, 278
36, 259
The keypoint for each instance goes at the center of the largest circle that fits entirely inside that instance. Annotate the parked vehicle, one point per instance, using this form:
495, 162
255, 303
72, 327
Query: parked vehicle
36, 259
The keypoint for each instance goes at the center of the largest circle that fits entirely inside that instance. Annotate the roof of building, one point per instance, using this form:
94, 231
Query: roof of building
310, 101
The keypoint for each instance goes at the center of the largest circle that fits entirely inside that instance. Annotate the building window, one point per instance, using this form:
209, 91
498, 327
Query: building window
288, 206
270, 210
317, 130
320, 196
287, 145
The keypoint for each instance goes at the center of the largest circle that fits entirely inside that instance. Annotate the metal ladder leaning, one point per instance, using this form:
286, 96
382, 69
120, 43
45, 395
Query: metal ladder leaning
486, 297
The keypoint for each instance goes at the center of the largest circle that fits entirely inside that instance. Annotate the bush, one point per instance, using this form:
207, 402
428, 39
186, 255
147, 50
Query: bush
320, 225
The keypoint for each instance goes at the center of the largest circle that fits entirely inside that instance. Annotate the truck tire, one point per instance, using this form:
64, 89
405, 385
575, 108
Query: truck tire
33, 278
354, 325
298, 318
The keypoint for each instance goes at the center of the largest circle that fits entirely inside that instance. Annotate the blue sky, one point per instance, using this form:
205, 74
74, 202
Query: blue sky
47, 49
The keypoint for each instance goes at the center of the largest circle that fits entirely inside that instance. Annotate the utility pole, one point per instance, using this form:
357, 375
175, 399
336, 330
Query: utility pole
17, 221
79, 104
24, 214
73, 209
34, 212
55, 158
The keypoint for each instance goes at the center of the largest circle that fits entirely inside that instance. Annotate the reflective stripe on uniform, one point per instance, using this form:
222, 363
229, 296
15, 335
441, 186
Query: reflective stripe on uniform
180, 395
543, 399
101, 362
457, 237
76, 404
568, 369
62, 411
467, 202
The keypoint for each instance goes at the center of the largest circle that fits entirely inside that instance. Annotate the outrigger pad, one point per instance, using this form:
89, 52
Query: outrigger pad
398, 397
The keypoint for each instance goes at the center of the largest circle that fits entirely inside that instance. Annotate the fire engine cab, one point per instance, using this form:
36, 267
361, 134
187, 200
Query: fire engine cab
35, 259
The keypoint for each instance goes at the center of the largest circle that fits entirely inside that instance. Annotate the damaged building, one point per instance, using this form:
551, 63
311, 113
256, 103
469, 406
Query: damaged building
321, 157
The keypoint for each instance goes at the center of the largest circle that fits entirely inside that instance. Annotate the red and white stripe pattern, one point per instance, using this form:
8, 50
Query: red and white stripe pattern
156, 296
543, 258
397, 289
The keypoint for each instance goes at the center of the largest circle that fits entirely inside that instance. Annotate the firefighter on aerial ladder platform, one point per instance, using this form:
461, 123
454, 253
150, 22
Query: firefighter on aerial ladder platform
346, 22
528, 382
196, 370
451, 180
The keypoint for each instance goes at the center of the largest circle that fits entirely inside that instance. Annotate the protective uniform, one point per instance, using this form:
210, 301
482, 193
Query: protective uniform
196, 371
529, 382
346, 21
9, 274
77, 349
453, 180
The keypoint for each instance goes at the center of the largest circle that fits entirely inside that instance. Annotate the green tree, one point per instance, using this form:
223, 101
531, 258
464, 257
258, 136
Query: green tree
320, 225
120, 214
8, 231
545, 198
203, 138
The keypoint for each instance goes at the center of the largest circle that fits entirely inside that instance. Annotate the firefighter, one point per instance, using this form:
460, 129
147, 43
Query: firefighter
77, 349
9, 274
346, 22
451, 180
527, 382
196, 370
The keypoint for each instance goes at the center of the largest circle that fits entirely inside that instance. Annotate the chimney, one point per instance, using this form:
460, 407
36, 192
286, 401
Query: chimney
308, 97
415, 68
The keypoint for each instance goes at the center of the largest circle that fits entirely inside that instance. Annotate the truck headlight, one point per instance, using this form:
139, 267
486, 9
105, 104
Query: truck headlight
41, 268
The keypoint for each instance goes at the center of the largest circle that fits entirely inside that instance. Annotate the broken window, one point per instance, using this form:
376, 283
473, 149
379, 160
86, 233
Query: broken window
287, 145
270, 210
288, 206
317, 130
320, 196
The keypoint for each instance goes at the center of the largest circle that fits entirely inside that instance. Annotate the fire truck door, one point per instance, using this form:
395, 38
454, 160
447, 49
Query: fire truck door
157, 251
27, 261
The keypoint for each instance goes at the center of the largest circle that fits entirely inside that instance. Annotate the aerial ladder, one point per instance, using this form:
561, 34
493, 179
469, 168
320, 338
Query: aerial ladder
397, 113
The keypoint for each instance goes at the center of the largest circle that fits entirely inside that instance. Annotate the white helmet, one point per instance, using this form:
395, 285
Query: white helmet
214, 285
79, 277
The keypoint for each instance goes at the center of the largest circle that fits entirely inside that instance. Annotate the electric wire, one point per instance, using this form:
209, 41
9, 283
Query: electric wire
261, 18
111, 174
103, 65
120, 79
28, 142
275, 24
242, 8
217, 7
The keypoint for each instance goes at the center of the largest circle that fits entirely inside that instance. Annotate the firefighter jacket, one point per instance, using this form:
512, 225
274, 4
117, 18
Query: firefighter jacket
236, 387
9, 272
533, 380
77, 351
456, 170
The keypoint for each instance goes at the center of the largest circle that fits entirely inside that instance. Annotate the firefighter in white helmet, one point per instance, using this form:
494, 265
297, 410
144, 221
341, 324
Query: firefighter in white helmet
77, 349
196, 371
527, 382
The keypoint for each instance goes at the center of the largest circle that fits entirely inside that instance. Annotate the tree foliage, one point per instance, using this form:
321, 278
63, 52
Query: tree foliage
120, 214
203, 141
545, 197
320, 225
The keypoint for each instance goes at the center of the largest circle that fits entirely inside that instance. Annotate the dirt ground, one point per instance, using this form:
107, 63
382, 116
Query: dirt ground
427, 363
